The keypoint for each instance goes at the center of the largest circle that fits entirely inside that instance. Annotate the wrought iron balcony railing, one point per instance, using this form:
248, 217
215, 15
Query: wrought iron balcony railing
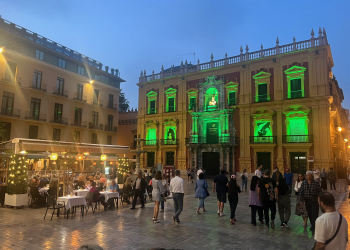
296, 94
8, 79
297, 138
262, 98
10, 112
81, 98
37, 86
151, 111
30, 115
204, 140
60, 92
59, 120
97, 102
78, 123
169, 142
150, 143
262, 139
111, 128
95, 126
112, 106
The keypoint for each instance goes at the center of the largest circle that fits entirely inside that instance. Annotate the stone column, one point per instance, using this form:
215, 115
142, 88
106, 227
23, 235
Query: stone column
228, 160
279, 141
195, 158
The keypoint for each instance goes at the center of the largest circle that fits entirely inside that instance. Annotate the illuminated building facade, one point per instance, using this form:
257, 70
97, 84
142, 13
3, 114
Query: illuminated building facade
273, 107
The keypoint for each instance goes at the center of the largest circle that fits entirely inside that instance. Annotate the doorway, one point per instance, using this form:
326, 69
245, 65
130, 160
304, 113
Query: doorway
169, 158
298, 162
211, 163
264, 159
150, 159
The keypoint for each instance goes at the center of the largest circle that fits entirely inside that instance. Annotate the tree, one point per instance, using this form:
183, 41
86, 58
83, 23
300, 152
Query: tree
17, 175
123, 103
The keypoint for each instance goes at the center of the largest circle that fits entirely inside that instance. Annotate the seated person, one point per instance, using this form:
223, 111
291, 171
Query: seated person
97, 197
53, 189
44, 181
80, 183
103, 179
88, 185
114, 187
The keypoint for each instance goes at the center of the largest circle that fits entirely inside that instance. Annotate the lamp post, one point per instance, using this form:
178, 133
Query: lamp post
138, 152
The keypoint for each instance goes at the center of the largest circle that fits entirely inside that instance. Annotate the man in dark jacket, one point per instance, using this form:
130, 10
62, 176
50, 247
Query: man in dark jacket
139, 187
342, 177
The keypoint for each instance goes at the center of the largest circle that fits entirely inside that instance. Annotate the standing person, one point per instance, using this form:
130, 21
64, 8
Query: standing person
199, 172
140, 185
178, 191
323, 176
233, 190
201, 192
283, 202
309, 191
146, 176
300, 208
205, 174
276, 175
317, 174
244, 177
269, 195
189, 174
157, 193
254, 201
221, 182
289, 179
342, 177
195, 174
332, 177
258, 171
166, 189
331, 227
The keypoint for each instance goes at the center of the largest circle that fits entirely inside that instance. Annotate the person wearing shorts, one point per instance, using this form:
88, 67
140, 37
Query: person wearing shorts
221, 184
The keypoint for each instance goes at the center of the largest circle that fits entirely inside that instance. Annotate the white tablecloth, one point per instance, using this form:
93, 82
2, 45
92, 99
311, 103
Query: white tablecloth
81, 192
109, 195
43, 190
73, 201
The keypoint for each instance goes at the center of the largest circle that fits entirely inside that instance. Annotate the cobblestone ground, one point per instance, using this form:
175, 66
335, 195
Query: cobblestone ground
125, 229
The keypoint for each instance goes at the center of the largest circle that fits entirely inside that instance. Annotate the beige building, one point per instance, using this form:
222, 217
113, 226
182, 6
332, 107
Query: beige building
50, 92
273, 107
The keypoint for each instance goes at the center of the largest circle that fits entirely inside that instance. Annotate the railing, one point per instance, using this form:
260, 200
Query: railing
35, 116
262, 98
76, 123
242, 57
297, 138
11, 80
97, 103
59, 120
150, 143
295, 94
111, 128
10, 112
262, 139
192, 107
112, 106
81, 98
151, 111
95, 126
203, 140
170, 109
60, 92
169, 142
40, 86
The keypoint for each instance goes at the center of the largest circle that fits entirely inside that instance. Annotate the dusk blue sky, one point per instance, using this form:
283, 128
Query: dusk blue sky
134, 35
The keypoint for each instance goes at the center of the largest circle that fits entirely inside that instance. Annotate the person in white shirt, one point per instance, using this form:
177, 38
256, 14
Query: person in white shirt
177, 189
317, 172
258, 171
198, 172
331, 227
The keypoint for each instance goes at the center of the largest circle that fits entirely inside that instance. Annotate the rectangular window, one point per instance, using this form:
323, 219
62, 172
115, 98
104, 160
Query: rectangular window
232, 98
33, 132
7, 103
10, 74
77, 116
6, 134
151, 137
171, 104
34, 108
94, 138
76, 136
95, 119
97, 77
56, 134
80, 89
110, 122
135, 142
61, 63
109, 140
96, 96
110, 101
60, 86
37, 77
39, 55
152, 108
295, 88
58, 112
81, 71
192, 103
262, 93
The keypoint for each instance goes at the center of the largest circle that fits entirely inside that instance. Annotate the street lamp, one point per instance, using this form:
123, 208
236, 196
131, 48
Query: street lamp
339, 129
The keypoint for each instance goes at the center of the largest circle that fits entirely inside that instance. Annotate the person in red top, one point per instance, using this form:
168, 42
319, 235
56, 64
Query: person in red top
97, 197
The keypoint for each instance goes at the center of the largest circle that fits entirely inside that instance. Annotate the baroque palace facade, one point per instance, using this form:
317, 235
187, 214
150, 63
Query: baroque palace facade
274, 107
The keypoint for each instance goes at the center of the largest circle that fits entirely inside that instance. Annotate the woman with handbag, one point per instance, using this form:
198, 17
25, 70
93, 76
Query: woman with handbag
233, 190
165, 194
300, 208
157, 193
201, 192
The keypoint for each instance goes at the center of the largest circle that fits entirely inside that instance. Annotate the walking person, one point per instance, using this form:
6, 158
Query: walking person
309, 191
332, 177
284, 203
201, 192
166, 190
323, 176
189, 175
178, 191
254, 201
233, 190
140, 185
258, 172
276, 175
199, 172
342, 178
157, 193
269, 195
331, 227
317, 172
289, 179
300, 208
244, 178
221, 182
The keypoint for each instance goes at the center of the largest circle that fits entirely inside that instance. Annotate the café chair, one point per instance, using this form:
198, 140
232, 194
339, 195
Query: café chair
53, 204
90, 203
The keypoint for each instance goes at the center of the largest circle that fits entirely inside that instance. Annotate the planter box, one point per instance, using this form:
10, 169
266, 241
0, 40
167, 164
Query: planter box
16, 200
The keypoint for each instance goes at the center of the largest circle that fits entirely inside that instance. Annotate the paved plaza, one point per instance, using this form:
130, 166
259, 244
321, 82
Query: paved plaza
125, 229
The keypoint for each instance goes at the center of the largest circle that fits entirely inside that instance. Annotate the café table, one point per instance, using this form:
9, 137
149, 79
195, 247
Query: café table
108, 195
81, 192
72, 201
43, 190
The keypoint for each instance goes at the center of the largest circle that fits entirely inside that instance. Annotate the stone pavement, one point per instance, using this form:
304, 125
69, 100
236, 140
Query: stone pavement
125, 229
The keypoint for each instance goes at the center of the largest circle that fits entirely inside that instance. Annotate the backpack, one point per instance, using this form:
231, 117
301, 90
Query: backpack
243, 177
